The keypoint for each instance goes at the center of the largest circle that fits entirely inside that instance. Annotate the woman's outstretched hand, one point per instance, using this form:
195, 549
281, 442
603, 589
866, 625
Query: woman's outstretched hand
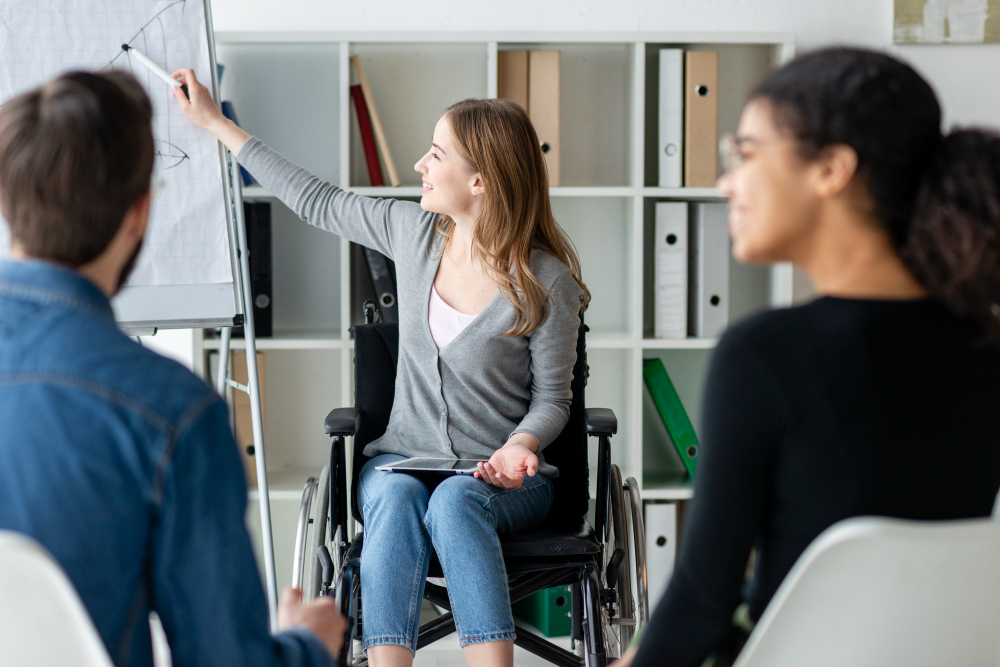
202, 111
509, 464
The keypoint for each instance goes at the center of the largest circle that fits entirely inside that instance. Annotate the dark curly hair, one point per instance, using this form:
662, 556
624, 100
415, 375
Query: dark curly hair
938, 196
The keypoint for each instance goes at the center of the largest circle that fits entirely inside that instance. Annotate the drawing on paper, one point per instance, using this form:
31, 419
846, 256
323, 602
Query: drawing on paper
946, 21
151, 39
187, 242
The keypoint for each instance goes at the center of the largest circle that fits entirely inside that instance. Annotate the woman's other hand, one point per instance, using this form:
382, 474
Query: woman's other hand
202, 111
509, 464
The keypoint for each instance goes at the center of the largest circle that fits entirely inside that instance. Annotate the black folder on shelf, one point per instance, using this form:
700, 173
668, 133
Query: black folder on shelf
373, 276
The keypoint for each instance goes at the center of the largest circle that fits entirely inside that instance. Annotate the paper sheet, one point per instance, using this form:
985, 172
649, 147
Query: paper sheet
187, 242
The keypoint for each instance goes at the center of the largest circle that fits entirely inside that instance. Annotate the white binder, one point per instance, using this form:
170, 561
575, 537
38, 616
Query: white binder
670, 308
671, 140
710, 259
661, 548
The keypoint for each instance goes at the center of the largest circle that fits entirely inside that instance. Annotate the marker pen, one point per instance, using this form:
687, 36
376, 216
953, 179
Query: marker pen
156, 69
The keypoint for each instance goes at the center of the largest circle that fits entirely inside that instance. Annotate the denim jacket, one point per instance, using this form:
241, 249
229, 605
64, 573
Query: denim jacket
122, 464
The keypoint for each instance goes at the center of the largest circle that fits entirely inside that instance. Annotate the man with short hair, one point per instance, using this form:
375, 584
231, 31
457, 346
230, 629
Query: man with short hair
118, 461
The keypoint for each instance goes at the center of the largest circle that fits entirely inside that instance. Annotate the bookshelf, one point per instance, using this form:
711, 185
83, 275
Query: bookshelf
292, 90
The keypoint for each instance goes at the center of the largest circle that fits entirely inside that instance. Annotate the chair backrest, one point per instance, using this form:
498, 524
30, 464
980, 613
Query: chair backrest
876, 591
42, 619
375, 355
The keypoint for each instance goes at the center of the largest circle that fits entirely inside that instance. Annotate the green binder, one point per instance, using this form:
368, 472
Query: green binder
672, 412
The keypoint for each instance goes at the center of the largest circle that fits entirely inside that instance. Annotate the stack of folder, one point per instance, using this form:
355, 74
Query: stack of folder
531, 78
689, 117
691, 270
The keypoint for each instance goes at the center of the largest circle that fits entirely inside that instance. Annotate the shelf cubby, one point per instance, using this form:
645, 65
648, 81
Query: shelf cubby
661, 465
306, 275
610, 376
289, 96
595, 110
601, 230
751, 287
741, 68
412, 84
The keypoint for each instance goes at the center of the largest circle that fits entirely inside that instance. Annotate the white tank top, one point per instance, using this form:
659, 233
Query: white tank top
445, 322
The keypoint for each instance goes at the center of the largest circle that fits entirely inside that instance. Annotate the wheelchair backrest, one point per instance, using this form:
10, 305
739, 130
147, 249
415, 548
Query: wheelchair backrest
376, 349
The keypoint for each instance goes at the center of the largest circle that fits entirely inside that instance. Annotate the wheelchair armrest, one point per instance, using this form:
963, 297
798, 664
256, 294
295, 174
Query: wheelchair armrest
601, 421
342, 421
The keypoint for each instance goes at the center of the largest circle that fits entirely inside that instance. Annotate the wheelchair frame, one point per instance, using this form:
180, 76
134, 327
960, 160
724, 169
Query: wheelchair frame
602, 571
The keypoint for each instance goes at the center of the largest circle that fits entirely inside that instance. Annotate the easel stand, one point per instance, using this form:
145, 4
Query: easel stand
253, 387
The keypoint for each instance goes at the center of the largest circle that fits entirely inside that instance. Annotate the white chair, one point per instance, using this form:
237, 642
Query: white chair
43, 623
884, 592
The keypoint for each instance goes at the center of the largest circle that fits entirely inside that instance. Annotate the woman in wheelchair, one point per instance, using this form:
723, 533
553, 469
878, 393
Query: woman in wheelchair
490, 301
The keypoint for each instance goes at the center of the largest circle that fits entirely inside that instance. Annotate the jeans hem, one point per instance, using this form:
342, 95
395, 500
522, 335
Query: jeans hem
394, 640
490, 637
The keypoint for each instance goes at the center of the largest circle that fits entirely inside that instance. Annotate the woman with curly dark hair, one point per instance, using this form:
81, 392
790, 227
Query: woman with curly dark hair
882, 396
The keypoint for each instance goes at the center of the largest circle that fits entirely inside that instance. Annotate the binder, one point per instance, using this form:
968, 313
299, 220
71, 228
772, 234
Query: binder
257, 219
242, 423
671, 118
672, 412
512, 77
701, 118
373, 276
544, 107
670, 307
710, 259
367, 138
384, 279
661, 547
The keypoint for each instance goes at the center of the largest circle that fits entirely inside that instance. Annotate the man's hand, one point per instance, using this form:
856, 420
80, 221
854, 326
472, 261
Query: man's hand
509, 464
319, 616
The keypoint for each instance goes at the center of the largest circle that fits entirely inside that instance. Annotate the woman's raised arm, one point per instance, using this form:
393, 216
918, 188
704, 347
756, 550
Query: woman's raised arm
381, 224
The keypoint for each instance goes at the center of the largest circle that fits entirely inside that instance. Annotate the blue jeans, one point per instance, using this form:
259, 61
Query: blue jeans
460, 518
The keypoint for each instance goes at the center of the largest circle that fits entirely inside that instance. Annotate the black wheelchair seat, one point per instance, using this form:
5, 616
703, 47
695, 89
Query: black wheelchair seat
547, 543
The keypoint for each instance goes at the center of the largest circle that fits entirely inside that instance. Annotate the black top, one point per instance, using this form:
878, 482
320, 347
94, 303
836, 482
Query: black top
814, 414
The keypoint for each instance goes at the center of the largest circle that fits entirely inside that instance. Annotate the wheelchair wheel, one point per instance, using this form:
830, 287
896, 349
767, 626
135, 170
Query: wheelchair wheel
633, 507
619, 617
609, 607
321, 521
304, 536
313, 531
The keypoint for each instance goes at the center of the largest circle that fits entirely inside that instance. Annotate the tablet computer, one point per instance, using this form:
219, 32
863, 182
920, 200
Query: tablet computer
424, 464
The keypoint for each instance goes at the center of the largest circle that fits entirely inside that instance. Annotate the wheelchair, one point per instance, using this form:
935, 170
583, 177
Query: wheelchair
604, 564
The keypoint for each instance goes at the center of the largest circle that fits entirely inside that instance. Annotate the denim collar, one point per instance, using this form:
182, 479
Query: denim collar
46, 282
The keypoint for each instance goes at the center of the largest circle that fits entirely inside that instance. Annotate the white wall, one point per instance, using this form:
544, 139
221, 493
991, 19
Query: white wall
964, 76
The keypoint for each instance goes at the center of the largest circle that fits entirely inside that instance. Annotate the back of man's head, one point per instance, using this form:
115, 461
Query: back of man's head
75, 155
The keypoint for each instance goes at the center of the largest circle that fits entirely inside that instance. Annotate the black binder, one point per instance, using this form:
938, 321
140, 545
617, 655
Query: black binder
373, 276
257, 216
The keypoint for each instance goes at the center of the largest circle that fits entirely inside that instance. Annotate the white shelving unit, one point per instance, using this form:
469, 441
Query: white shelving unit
292, 90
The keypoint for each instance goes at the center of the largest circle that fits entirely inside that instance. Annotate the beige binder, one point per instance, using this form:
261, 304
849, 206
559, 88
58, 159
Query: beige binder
543, 107
701, 118
512, 77
242, 422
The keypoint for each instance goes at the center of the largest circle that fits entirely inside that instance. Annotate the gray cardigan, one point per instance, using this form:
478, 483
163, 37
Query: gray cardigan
467, 399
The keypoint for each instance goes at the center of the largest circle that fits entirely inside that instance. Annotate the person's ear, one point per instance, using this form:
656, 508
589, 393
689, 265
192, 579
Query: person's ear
478, 186
834, 170
137, 217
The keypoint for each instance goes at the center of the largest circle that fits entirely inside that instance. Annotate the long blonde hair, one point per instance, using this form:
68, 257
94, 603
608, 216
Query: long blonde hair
498, 141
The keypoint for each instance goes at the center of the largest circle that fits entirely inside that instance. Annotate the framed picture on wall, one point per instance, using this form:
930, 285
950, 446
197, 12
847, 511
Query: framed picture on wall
946, 21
